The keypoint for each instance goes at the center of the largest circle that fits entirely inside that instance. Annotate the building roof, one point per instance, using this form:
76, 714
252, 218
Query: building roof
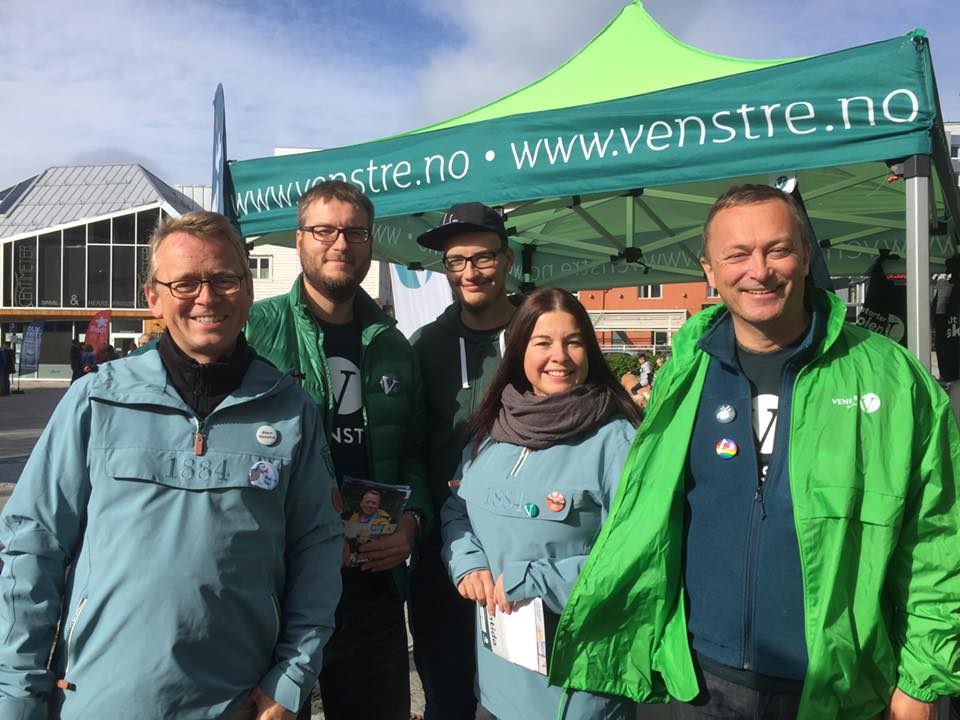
66, 194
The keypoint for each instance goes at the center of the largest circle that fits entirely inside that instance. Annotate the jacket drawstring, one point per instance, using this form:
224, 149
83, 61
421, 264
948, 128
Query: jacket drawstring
503, 342
464, 381
564, 701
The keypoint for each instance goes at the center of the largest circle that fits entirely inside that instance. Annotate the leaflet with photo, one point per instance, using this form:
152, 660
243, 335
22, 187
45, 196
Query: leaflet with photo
524, 637
370, 510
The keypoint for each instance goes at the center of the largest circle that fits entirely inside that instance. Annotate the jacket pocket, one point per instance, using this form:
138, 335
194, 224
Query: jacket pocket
870, 508
512, 499
275, 605
183, 469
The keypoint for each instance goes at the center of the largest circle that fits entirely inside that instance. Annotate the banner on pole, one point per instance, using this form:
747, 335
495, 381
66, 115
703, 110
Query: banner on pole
30, 347
219, 177
98, 331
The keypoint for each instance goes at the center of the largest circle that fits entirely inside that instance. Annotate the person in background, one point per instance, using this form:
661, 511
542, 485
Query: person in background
76, 360
88, 359
534, 488
786, 534
364, 376
458, 353
7, 366
645, 372
148, 571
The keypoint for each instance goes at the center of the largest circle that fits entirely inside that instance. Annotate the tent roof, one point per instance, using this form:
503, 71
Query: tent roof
591, 188
615, 63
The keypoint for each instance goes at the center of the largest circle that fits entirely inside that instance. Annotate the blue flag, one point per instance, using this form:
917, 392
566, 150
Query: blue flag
30, 347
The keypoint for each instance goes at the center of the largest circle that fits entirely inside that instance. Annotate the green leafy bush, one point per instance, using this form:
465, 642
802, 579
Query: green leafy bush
621, 363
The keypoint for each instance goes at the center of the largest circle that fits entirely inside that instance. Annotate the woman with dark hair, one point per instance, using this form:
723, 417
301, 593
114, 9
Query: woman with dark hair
535, 484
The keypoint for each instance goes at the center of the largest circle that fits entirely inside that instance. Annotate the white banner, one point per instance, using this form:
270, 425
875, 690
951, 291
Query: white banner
419, 296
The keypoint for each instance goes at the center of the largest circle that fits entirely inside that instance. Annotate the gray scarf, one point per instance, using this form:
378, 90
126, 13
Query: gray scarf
539, 421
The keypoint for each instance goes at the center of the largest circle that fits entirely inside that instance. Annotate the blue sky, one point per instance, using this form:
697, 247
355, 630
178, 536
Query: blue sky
133, 80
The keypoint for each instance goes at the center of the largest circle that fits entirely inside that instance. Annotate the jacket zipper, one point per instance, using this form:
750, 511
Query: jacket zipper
70, 628
759, 512
200, 437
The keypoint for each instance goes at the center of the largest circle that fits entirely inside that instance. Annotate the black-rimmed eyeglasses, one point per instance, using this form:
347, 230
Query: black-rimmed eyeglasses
189, 289
328, 234
480, 260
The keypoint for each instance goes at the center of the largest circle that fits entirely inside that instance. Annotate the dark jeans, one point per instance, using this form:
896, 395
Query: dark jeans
444, 647
721, 698
366, 669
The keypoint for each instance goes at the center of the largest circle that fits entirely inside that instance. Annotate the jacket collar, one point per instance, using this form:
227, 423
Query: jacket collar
371, 319
142, 379
711, 330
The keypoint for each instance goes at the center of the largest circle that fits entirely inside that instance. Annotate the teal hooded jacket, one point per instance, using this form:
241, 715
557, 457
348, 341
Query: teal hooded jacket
193, 578
873, 463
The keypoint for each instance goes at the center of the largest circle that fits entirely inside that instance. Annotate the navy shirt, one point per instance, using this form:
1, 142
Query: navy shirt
742, 569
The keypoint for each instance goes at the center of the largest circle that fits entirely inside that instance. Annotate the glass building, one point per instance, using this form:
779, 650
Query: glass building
74, 242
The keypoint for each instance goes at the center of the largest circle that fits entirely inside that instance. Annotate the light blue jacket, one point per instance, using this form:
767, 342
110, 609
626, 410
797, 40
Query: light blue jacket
489, 523
158, 583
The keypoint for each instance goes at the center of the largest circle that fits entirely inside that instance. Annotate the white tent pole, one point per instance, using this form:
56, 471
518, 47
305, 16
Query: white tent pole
916, 173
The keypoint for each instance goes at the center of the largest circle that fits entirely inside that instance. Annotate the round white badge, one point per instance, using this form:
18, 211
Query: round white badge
726, 414
267, 435
264, 475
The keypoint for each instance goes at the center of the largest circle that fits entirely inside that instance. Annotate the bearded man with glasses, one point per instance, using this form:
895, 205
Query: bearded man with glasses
364, 376
459, 352
171, 548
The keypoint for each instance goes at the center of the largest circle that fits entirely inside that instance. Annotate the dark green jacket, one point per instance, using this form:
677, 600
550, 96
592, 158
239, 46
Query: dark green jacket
456, 375
283, 331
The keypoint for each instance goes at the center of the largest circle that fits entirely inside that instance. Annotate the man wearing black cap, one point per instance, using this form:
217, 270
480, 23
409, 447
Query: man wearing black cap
458, 353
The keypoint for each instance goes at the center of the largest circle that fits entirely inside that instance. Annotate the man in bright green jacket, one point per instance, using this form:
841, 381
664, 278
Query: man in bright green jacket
365, 378
807, 565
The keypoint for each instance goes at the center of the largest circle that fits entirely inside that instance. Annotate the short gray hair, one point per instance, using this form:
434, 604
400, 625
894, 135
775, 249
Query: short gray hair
200, 223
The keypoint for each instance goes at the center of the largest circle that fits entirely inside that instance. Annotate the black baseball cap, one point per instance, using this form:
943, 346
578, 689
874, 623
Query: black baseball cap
464, 218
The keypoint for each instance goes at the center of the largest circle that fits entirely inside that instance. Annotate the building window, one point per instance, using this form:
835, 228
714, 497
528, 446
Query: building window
712, 292
260, 267
649, 291
659, 339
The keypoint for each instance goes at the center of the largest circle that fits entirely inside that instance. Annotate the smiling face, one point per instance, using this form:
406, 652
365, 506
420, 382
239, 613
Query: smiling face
477, 289
555, 359
205, 327
369, 503
755, 258
333, 271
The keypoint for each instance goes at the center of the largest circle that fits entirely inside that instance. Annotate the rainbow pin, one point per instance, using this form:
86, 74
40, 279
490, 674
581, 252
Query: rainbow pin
726, 448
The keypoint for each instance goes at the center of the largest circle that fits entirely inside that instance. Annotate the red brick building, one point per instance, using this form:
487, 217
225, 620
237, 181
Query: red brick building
644, 316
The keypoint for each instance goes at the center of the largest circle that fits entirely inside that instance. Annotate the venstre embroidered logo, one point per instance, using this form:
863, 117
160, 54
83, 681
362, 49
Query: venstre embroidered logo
868, 402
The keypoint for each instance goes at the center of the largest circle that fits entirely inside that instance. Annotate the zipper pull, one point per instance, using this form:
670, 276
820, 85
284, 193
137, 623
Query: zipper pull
758, 497
198, 443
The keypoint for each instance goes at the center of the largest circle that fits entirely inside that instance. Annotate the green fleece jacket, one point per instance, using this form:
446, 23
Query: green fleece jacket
283, 331
458, 364
873, 465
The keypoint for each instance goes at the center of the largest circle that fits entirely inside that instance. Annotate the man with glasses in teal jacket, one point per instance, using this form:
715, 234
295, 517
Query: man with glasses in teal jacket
171, 548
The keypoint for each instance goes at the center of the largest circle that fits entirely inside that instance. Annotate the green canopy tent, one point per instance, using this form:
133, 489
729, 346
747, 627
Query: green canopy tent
605, 168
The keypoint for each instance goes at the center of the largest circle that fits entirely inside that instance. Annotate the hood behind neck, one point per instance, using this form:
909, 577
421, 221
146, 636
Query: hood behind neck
450, 321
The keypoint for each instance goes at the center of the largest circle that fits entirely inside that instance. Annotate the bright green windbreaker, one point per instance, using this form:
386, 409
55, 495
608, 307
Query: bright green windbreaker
874, 456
